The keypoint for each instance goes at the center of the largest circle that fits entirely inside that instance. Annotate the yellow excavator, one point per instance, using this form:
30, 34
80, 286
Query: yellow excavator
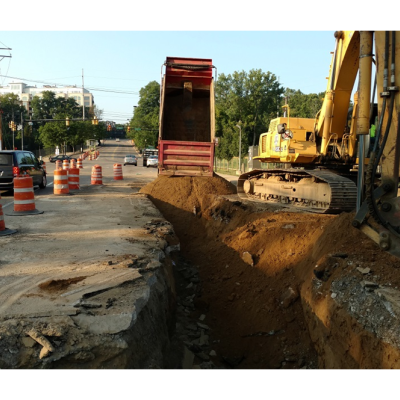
332, 163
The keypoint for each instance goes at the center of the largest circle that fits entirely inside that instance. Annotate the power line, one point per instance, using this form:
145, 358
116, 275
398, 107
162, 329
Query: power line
93, 89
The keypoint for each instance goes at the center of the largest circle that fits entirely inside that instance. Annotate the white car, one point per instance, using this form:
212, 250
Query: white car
130, 159
152, 161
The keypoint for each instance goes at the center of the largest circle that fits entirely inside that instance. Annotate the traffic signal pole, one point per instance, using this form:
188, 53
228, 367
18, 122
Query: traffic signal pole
1, 132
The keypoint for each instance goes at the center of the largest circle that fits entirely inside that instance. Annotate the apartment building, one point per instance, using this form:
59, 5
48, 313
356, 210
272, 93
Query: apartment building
27, 93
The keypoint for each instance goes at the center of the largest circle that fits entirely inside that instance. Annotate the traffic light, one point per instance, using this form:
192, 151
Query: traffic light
12, 125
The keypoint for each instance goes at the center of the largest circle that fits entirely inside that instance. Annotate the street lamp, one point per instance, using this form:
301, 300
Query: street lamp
240, 145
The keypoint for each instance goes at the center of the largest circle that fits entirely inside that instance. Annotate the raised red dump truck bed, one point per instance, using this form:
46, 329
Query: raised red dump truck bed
187, 118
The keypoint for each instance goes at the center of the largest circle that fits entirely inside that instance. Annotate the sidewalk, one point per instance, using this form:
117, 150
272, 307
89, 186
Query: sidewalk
76, 278
230, 178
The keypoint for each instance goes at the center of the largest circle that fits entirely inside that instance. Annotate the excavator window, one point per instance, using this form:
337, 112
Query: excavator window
281, 128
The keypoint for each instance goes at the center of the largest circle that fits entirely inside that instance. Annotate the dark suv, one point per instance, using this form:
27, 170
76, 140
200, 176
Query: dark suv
16, 162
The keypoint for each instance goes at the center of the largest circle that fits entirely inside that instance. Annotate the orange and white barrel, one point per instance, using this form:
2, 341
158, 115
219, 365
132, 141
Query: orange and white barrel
118, 172
44, 165
3, 230
90, 157
24, 197
65, 165
73, 179
61, 186
72, 164
96, 178
58, 164
79, 163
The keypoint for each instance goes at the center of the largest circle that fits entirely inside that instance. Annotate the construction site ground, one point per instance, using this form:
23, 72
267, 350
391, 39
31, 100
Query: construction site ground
243, 285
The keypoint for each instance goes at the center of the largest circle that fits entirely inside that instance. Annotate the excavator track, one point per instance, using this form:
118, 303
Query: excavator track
316, 191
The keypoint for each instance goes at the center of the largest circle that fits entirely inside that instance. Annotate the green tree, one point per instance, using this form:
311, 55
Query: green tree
48, 106
12, 110
303, 105
252, 98
145, 121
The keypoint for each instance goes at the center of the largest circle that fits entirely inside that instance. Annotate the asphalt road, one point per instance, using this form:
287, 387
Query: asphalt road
87, 226
111, 152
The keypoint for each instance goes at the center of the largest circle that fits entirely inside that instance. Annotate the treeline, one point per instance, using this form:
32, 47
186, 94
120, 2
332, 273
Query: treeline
249, 99
51, 133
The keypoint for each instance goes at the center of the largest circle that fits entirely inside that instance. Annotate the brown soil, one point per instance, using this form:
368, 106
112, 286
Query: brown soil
59, 284
252, 262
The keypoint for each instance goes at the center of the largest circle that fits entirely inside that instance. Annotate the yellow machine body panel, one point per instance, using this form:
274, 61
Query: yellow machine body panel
297, 148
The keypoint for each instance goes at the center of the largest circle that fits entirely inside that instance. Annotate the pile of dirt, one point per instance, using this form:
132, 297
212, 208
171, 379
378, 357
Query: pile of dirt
252, 263
187, 192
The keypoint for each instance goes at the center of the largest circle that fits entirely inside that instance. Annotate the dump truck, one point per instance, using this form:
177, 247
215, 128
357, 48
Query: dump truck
186, 141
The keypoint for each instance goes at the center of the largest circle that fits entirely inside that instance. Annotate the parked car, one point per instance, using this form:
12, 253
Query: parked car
61, 157
16, 162
130, 159
152, 161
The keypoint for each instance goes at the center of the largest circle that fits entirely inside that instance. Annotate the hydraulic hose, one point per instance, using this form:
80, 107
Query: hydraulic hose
378, 149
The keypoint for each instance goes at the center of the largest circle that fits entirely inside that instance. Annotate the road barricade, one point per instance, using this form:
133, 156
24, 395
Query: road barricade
24, 197
3, 230
73, 179
58, 164
61, 187
96, 177
79, 164
72, 164
118, 172
65, 165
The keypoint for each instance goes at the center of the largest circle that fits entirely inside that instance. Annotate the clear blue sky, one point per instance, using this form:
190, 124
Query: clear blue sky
127, 61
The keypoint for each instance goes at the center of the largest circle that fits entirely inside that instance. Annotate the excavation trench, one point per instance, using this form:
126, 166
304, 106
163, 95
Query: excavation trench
259, 287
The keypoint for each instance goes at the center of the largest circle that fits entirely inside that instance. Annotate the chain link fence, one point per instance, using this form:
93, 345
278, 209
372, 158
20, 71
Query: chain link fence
232, 166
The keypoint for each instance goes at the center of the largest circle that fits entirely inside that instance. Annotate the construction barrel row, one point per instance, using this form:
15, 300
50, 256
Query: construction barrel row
66, 178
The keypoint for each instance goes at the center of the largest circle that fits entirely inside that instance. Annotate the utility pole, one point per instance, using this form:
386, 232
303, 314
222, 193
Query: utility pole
1, 120
12, 129
239, 125
22, 131
83, 99
1, 55
1, 130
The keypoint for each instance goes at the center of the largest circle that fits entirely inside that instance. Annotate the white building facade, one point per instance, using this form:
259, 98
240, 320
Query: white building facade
27, 93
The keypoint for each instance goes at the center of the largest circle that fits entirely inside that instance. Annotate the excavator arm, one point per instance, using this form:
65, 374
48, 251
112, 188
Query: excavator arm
332, 118
379, 214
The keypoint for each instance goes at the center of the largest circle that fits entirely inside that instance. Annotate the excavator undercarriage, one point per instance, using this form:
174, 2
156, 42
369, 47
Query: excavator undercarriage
317, 190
